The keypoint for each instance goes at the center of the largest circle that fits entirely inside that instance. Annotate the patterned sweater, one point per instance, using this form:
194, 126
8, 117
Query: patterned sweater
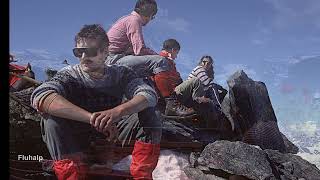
95, 94
200, 73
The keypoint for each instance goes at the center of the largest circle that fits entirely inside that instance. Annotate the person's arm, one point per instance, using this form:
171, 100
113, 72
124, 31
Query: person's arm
136, 38
103, 120
134, 105
56, 105
140, 96
49, 97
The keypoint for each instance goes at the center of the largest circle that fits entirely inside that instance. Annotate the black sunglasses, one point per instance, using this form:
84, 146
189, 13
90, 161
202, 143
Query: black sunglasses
90, 52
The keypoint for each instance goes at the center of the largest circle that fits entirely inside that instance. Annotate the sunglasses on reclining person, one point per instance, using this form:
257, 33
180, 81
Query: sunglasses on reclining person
90, 52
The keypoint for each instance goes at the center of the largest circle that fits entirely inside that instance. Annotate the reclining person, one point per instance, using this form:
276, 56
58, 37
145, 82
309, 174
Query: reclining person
85, 101
181, 96
205, 73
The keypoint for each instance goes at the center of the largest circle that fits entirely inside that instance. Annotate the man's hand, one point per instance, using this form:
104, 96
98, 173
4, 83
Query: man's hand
112, 133
103, 120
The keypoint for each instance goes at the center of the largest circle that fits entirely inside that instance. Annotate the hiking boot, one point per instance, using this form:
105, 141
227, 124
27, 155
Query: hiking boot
175, 108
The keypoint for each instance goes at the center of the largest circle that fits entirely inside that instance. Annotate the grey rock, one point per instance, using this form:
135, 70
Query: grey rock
197, 174
252, 112
249, 100
19, 106
293, 166
226, 109
184, 131
24, 123
194, 158
236, 158
290, 147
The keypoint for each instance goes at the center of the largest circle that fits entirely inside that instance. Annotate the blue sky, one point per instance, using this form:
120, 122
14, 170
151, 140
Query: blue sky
230, 30
243, 33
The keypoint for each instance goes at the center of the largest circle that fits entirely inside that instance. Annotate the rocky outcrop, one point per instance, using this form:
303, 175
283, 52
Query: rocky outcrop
194, 173
292, 166
226, 159
252, 112
19, 106
24, 124
290, 147
235, 158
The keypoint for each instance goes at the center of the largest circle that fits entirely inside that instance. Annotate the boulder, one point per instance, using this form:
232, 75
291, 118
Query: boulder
252, 112
290, 147
292, 166
194, 173
235, 158
24, 126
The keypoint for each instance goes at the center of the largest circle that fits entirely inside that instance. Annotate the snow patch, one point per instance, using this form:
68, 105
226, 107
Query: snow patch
170, 165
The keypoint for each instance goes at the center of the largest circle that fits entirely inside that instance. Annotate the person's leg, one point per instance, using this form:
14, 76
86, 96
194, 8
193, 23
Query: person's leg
191, 94
185, 95
113, 58
146, 128
145, 66
64, 137
66, 141
190, 91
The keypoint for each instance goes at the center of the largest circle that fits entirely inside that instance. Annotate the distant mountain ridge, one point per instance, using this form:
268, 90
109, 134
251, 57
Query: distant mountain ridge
42, 59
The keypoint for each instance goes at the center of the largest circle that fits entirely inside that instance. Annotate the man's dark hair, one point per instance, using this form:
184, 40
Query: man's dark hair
146, 7
170, 44
94, 31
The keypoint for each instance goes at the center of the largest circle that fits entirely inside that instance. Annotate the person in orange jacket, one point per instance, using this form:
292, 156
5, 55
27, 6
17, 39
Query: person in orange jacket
172, 88
183, 98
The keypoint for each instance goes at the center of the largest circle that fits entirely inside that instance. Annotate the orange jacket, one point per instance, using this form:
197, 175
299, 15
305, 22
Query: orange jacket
166, 81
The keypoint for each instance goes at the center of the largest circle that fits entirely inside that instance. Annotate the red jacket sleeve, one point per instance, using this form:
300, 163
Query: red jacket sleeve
166, 82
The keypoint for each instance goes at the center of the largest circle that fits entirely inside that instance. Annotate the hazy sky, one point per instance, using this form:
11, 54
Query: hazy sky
232, 31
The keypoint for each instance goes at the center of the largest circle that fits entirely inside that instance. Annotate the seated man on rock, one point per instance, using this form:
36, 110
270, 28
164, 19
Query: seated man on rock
85, 101
127, 46
181, 97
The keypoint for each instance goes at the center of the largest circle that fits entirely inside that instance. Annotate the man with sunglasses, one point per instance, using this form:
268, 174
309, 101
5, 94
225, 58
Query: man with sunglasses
84, 101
